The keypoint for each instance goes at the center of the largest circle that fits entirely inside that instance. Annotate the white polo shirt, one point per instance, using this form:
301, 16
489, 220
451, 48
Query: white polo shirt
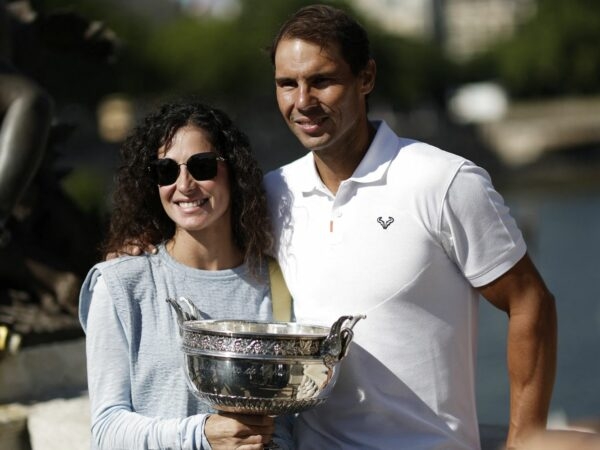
405, 240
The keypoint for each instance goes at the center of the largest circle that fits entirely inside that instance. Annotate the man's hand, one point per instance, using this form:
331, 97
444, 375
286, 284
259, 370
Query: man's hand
562, 439
239, 431
131, 249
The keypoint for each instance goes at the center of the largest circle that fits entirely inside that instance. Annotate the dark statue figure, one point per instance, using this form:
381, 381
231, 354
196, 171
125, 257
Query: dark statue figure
46, 242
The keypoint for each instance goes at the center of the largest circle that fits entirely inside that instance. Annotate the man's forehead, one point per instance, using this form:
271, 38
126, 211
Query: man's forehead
293, 51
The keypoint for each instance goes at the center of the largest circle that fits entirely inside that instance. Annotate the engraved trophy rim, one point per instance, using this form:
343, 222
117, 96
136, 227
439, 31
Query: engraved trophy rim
256, 328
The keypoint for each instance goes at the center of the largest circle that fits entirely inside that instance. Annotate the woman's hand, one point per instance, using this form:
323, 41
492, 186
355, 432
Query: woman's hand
238, 431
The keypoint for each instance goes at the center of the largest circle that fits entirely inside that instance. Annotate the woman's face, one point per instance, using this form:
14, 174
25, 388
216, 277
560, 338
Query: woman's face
195, 206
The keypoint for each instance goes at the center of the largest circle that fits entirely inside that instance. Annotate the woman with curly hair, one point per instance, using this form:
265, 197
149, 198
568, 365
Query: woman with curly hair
190, 185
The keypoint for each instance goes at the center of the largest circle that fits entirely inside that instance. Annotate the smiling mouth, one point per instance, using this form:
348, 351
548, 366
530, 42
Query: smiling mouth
196, 203
310, 125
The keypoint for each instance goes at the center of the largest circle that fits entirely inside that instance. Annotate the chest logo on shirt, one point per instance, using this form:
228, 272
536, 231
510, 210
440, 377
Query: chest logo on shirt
385, 223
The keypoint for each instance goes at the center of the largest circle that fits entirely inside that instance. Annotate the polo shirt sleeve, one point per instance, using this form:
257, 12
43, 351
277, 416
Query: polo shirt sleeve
478, 232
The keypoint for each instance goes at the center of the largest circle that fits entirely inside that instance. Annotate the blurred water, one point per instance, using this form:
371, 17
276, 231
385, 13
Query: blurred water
563, 233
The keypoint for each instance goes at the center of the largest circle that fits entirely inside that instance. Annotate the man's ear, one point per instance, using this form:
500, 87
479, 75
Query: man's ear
367, 76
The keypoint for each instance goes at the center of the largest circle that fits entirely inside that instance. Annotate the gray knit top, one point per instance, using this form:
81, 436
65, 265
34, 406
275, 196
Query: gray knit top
138, 393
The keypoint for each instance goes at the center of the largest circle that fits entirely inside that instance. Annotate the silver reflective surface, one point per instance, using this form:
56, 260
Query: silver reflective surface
261, 367
259, 387
240, 327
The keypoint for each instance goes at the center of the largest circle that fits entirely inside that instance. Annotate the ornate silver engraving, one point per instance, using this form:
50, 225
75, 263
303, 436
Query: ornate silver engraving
247, 405
294, 347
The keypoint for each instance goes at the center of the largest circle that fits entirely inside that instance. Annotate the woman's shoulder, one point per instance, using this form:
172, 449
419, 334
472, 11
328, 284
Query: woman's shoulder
125, 263
123, 268
122, 278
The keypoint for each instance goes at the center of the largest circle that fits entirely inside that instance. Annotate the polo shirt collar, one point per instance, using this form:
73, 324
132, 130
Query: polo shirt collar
372, 167
310, 183
379, 155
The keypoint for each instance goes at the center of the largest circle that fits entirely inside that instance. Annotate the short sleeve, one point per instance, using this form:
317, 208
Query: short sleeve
477, 229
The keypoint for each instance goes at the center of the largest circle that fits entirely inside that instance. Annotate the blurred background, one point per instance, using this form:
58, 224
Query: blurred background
513, 85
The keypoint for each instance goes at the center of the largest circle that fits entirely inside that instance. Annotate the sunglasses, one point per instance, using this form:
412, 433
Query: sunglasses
201, 166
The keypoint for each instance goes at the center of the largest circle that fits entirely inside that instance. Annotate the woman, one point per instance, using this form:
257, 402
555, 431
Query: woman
188, 180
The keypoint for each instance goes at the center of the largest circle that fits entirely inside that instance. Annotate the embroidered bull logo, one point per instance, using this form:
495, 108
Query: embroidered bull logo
385, 223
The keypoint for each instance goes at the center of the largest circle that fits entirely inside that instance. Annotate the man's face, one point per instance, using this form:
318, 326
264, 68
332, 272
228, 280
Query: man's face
319, 97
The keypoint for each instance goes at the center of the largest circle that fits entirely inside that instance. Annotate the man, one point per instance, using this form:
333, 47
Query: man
368, 222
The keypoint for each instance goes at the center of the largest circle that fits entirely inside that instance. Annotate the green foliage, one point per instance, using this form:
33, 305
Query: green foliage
87, 188
409, 72
225, 59
555, 53
207, 57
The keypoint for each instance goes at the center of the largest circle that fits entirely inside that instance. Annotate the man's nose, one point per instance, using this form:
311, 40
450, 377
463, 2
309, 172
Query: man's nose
305, 97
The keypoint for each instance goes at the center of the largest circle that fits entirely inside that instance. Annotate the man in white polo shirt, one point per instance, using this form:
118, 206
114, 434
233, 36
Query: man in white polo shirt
368, 222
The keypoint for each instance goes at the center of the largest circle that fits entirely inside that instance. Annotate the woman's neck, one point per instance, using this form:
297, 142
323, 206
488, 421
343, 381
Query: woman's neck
213, 253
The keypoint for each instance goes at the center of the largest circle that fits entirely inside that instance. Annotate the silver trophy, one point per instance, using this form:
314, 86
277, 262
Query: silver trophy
254, 367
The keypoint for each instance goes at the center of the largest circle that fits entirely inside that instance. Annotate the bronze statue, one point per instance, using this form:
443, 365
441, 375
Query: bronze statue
46, 241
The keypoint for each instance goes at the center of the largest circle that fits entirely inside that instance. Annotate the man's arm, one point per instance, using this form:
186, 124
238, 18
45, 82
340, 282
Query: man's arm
531, 346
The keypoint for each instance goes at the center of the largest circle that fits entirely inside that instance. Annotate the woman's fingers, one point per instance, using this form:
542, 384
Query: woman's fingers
252, 420
238, 431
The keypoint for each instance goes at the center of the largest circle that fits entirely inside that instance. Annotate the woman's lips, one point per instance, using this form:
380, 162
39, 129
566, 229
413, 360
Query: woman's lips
192, 204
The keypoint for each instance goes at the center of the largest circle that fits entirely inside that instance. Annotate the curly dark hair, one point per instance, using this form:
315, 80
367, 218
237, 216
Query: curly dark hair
138, 216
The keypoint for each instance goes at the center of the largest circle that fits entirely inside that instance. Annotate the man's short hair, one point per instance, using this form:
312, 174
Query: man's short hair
324, 25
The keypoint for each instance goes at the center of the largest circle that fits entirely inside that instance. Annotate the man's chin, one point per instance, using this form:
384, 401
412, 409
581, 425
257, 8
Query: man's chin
311, 143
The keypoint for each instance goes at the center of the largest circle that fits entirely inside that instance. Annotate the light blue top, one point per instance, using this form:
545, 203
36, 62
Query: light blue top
138, 392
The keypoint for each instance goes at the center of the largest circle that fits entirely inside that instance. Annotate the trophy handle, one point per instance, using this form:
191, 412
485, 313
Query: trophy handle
184, 309
335, 346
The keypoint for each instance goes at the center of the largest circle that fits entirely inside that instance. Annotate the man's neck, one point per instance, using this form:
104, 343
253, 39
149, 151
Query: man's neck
335, 167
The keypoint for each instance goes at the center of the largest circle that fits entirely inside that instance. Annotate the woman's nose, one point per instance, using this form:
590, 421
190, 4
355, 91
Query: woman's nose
185, 181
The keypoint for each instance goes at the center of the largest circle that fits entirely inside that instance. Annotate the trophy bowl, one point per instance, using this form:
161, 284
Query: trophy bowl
255, 367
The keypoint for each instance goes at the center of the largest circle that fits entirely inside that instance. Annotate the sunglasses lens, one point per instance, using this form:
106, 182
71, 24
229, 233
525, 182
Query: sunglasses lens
166, 171
203, 166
